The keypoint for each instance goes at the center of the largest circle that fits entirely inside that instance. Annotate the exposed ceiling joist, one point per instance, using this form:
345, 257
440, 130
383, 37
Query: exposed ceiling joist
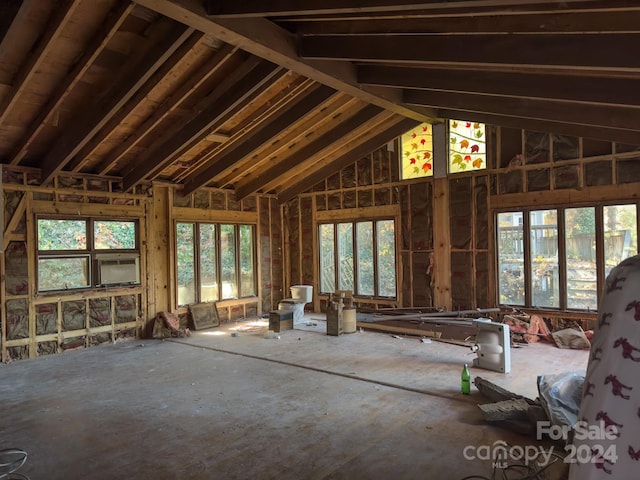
91, 52
273, 43
258, 137
234, 92
575, 88
616, 117
386, 135
577, 52
164, 41
259, 180
260, 8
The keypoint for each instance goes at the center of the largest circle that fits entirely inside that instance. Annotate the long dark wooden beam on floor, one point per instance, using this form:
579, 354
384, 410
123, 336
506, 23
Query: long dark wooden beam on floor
165, 39
348, 158
260, 179
562, 51
274, 126
263, 8
618, 117
237, 90
581, 88
267, 40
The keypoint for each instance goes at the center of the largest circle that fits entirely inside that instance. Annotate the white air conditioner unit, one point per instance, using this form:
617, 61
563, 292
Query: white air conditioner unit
118, 268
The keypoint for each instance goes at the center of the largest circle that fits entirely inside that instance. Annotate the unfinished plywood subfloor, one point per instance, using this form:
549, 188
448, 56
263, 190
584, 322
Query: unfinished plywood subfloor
214, 405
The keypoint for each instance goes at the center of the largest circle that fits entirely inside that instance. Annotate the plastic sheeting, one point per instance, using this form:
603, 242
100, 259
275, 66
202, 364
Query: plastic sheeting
560, 396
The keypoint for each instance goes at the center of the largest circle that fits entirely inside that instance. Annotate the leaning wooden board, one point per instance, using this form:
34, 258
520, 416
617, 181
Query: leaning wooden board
204, 315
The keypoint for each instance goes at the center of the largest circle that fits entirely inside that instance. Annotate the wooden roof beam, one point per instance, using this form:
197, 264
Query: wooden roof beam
577, 52
164, 39
82, 157
597, 133
234, 92
353, 155
59, 18
262, 8
259, 136
260, 179
615, 117
110, 26
275, 44
583, 88
166, 107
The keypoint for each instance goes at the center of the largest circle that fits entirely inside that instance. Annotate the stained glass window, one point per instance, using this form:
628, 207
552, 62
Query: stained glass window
467, 146
417, 152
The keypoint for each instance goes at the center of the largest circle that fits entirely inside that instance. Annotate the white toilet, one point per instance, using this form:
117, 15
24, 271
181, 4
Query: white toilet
300, 296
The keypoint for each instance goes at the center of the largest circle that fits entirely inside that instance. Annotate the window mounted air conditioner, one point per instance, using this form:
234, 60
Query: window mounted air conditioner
118, 268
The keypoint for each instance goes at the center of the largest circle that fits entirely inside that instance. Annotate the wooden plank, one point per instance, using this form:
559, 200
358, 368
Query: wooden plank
282, 119
165, 39
403, 330
89, 209
235, 91
271, 42
360, 213
188, 214
441, 243
260, 179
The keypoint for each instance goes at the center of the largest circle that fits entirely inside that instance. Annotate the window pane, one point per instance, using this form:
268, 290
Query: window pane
620, 234
185, 252
386, 258
208, 263
544, 258
364, 246
417, 152
327, 259
114, 235
580, 244
510, 258
59, 273
467, 146
247, 271
62, 234
345, 256
228, 261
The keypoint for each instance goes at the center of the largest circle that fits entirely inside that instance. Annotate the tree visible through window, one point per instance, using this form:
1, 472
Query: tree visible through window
529, 241
215, 261
358, 256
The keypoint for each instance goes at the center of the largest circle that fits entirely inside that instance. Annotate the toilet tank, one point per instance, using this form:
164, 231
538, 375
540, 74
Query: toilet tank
302, 293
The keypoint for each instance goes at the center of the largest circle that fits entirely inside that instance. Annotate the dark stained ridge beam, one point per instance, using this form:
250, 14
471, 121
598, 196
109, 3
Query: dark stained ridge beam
261, 179
110, 26
592, 21
583, 88
580, 52
165, 39
261, 8
617, 117
166, 107
229, 96
267, 40
347, 159
258, 137
59, 18
81, 158
597, 133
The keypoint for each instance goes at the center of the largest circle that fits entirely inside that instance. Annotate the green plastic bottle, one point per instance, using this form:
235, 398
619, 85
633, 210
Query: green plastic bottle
465, 387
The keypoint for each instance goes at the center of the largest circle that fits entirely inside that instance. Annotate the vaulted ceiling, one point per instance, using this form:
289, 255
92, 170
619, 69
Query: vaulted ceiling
274, 95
